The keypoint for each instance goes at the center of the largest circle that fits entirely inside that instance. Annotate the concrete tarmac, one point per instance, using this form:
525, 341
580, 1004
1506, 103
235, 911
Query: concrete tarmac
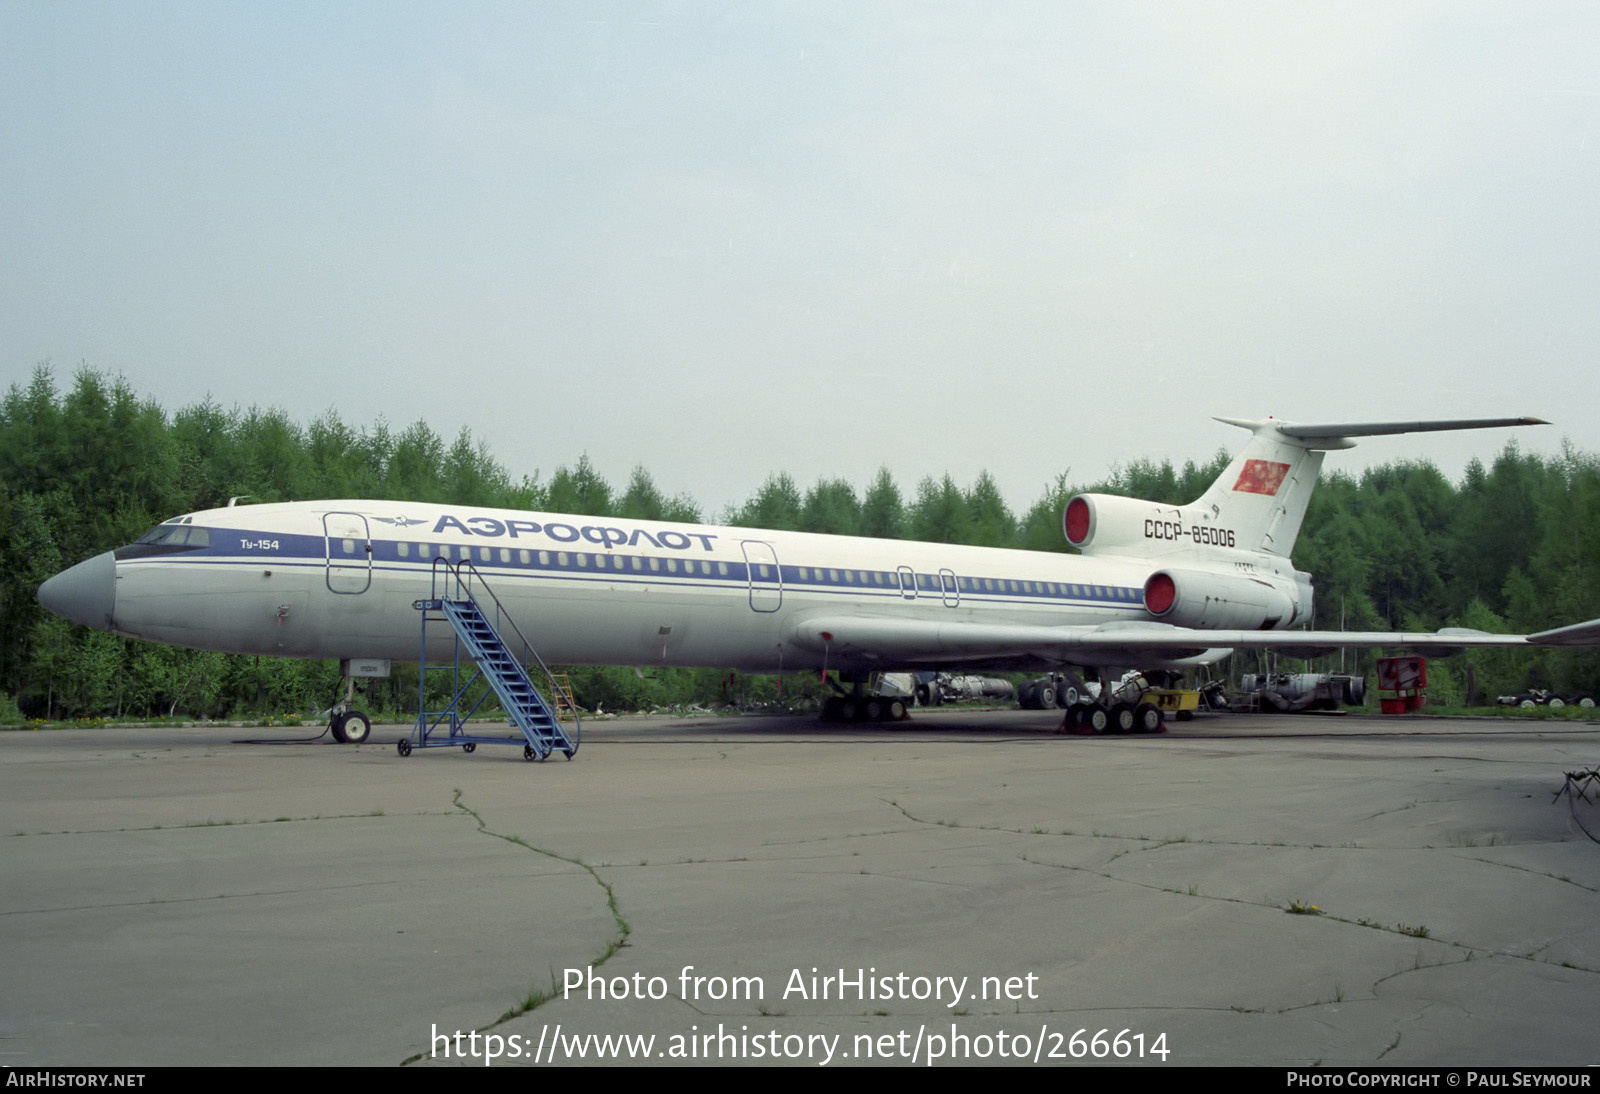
969, 888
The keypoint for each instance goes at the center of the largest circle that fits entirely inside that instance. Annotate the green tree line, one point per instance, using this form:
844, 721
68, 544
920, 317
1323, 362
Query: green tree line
1510, 547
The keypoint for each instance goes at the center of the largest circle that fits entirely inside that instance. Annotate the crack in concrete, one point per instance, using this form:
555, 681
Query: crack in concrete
1420, 967
234, 823
538, 997
1154, 841
831, 838
1536, 873
155, 902
1399, 928
1401, 808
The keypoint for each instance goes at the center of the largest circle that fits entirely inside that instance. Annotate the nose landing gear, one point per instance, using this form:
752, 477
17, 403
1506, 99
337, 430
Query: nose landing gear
348, 725
351, 728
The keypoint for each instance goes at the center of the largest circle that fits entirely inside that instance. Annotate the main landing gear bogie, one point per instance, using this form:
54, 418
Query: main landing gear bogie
847, 708
1121, 718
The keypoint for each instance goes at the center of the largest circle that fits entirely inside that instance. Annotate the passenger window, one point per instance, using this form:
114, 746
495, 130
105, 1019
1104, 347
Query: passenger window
722, 569
561, 558
655, 564
672, 565
403, 550
524, 556
583, 560
505, 554
544, 558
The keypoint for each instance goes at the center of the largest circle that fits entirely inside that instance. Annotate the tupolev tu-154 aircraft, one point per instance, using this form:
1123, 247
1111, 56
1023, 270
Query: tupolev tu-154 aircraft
1155, 586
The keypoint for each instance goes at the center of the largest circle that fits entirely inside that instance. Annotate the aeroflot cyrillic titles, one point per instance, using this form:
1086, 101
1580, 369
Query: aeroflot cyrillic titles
557, 531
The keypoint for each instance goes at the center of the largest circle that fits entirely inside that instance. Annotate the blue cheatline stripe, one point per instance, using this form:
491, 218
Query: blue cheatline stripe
294, 550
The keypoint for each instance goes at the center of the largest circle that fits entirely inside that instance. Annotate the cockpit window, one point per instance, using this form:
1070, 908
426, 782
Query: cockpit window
166, 539
177, 535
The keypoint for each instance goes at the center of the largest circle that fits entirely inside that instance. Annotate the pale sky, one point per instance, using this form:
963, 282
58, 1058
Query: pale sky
727, 239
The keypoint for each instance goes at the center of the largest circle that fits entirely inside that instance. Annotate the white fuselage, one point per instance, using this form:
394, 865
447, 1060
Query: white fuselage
340, 579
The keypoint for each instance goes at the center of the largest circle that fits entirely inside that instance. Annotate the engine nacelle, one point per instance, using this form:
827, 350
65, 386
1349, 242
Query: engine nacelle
1102, 522
1108, 524
1193, 598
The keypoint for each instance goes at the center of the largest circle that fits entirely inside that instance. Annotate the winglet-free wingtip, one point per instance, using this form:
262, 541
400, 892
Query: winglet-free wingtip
1578, 634
1252, 424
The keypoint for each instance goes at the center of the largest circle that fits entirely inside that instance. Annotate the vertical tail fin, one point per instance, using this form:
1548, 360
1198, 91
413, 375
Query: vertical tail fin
1261, 497
1263, 494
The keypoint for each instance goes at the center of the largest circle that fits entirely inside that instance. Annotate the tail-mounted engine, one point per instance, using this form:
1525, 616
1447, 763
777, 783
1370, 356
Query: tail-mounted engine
1194, 598
1106, 524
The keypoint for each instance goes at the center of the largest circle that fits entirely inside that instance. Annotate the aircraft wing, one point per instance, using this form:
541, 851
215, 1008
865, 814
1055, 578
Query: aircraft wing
880, 640
1579, 634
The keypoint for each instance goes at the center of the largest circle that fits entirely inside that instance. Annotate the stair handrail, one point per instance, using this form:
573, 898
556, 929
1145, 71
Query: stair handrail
464, 584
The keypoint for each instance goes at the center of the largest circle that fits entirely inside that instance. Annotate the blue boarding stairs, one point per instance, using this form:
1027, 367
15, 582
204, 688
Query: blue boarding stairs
482, 628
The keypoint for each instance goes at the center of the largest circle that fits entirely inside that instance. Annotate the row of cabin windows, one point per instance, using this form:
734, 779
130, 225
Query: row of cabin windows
637, 563
562, 558
932, 583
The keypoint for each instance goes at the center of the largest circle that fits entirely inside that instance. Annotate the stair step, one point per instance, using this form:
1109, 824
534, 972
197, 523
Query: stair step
525, 707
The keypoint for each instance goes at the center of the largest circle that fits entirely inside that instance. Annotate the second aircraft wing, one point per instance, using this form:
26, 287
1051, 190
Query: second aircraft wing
883, 641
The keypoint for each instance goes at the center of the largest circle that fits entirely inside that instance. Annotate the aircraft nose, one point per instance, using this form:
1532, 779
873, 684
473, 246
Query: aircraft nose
85, 593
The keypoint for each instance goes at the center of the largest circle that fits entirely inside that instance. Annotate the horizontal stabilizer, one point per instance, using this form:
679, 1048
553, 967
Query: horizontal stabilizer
1383, 429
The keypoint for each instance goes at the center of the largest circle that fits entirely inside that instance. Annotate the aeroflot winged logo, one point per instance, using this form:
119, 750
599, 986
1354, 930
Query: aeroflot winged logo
600, 535
1261, 477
